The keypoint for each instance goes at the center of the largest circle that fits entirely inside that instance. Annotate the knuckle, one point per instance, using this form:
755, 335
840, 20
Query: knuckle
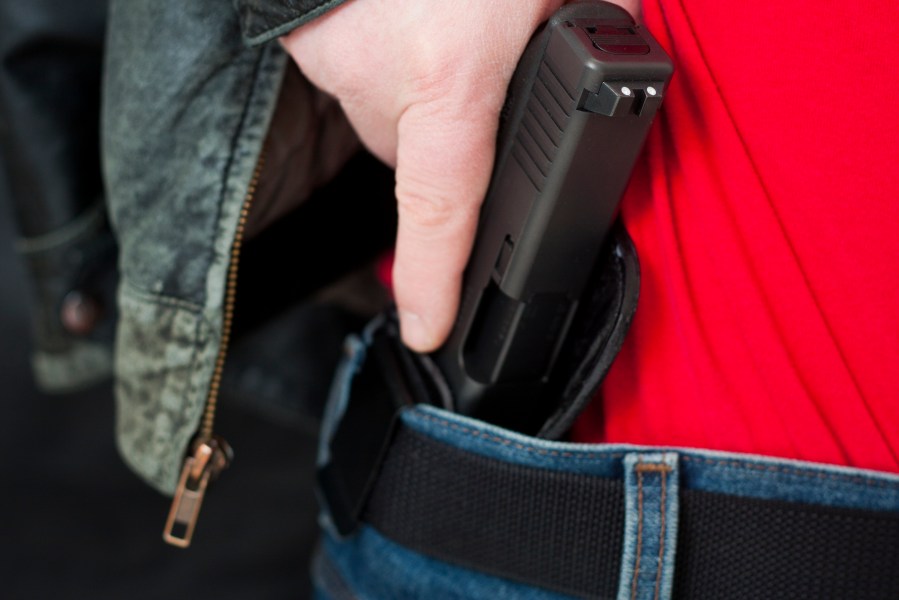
427, 207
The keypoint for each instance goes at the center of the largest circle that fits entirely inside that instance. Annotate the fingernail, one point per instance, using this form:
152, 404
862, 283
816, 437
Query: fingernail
415, 331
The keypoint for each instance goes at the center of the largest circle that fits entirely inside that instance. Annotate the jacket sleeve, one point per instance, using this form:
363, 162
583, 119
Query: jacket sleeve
264, 20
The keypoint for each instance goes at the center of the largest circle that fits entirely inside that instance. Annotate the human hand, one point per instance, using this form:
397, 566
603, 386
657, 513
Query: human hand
423, 82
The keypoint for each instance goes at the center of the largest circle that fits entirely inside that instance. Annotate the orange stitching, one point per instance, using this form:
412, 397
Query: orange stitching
639, 531
736, 464
518, 445
663, 507
653, 468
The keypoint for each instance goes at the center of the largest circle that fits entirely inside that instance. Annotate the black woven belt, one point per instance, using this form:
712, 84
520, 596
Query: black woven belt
564, 531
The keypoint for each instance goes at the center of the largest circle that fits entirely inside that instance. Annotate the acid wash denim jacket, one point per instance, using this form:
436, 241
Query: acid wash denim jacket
190, 92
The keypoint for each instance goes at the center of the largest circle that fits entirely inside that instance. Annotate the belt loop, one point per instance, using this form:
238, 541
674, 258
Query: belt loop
650, 527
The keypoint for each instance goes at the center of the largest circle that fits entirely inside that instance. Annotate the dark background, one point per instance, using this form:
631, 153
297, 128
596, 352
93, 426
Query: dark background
76, 523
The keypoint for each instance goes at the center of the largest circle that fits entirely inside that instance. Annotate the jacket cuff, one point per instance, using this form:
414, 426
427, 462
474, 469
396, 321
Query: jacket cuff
264, 20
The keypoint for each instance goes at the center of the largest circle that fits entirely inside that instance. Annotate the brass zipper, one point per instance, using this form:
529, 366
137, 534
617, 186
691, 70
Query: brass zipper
210, 454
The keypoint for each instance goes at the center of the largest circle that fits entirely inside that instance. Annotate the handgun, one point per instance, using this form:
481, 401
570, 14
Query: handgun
577, 113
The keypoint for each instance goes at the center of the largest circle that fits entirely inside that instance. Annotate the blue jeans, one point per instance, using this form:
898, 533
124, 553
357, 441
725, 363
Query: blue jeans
367, 564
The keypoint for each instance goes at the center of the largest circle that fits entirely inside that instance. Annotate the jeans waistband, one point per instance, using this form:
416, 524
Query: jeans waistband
628, 521
747, 475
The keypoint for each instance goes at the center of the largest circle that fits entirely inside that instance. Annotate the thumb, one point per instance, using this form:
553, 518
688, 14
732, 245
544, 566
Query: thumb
444, 161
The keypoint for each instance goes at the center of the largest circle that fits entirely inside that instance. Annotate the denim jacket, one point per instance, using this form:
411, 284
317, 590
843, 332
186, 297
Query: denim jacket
190, 91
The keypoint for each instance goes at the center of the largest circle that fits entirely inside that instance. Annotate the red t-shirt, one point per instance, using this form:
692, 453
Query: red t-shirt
765, 211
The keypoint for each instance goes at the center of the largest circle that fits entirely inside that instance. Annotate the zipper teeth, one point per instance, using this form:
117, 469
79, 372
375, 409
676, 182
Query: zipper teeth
230, 297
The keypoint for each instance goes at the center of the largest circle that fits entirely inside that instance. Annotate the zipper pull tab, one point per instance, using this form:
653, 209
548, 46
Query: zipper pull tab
209, 458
